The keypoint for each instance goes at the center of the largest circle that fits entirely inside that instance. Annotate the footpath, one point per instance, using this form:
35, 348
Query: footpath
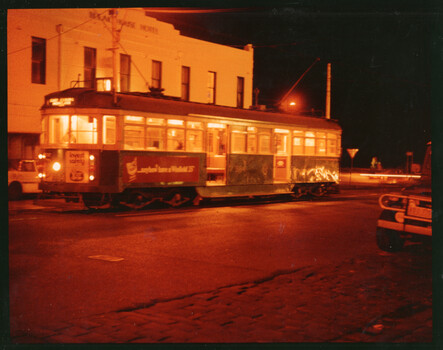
383, 298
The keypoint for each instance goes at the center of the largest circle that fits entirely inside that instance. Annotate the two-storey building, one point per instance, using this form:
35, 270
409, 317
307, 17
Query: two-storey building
55, 49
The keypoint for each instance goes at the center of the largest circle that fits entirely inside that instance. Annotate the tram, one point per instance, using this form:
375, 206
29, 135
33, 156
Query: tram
109, 148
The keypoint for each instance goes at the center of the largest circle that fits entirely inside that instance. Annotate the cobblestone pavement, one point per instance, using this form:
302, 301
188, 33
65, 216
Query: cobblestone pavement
378, 298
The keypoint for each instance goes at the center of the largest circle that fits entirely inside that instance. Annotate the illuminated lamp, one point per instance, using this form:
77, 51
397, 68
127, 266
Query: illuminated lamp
41, 175
41, 156
91, 157
292, 103
91, 177
56, 166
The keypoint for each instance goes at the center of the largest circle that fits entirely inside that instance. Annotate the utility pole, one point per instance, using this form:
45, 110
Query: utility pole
328, 93
59, 29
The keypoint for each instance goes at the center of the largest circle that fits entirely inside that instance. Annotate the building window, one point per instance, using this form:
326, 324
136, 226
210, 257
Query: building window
156, 75
38, 61
125, 72
90, 62
212, 80
240, 91
186, 74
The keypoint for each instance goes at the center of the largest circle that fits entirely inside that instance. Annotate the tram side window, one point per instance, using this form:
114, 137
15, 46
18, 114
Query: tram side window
321, 143
109, 130
264, 141
309, 143
298, 142
44, 133
281, 141
134, 132
238, 139
83, 129
175, 135
332, 145
134, 137
194, 137
58, 129
155, 134
252, 140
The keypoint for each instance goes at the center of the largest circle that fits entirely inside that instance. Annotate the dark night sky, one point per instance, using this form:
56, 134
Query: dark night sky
381, 67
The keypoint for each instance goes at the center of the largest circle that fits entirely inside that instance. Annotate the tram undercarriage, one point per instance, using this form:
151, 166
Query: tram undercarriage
139, 198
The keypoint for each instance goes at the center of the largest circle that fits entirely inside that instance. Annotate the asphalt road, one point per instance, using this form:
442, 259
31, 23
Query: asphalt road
68, 264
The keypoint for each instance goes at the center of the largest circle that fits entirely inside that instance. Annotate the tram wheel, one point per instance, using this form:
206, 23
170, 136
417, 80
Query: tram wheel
318, 191
139, 199
297, 193
176, 199
97, 200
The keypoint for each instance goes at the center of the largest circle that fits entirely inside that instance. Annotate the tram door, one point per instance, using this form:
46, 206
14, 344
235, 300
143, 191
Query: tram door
282, 155
216, 154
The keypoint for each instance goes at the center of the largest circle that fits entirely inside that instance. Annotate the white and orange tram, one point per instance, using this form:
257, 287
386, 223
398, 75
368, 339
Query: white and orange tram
136, 148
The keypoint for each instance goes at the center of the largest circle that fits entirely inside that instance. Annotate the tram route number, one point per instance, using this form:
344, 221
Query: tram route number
144, 169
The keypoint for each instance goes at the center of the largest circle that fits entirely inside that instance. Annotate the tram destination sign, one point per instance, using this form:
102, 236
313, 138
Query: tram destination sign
60, 101
160, 169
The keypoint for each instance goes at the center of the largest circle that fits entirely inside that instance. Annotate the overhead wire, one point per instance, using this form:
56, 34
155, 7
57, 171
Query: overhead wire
126, 52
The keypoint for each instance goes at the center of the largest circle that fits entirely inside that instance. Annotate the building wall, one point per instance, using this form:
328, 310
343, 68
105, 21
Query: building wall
143, 38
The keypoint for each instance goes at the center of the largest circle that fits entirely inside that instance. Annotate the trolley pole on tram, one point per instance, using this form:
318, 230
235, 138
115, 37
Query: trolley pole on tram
115, 40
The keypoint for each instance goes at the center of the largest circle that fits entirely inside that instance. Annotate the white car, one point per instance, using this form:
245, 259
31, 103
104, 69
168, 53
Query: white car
407, 215
23, 177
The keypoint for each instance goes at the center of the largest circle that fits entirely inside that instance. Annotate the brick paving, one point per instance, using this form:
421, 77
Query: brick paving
382, 298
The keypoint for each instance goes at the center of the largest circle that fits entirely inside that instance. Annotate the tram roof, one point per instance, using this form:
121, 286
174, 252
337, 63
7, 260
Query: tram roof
144, 102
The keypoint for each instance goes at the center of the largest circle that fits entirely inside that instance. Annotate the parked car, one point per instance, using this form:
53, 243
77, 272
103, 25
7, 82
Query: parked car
23, 177
407, 215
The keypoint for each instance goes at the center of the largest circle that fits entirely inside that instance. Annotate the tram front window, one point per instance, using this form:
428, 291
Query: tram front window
83, 129
58, 128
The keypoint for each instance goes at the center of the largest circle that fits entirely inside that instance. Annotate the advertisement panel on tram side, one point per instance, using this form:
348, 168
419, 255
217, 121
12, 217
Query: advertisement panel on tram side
160, 169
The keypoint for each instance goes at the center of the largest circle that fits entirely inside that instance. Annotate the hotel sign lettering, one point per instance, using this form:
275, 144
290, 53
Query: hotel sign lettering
124, 23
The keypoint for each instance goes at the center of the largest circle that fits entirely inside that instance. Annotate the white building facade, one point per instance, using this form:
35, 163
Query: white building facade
56, 49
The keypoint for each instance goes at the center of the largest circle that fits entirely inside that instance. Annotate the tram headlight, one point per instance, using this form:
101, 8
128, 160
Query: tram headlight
56, 166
